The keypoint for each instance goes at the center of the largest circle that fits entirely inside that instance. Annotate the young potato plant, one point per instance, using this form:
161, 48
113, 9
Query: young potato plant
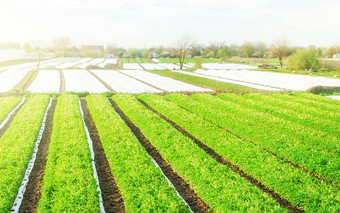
16, 148
69, 185
221, 188
141, 183
7, 105
282, 137
298, 187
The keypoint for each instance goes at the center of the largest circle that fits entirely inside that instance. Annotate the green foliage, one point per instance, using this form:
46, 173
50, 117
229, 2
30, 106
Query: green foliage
198, 64
204, 82
207, 177
16, 148
301, 188
141, 183
303, 60
326, 90
222, 53
7, 105
69, 185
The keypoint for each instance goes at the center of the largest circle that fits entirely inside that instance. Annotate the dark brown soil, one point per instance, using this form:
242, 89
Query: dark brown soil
102, 81
142, 81
184, 189
113, 200
282, 201
3, 130
33, 191
62, 82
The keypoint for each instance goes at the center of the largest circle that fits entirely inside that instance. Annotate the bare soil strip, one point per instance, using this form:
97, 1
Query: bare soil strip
3, 130
113, 200
27, 80
33, 190
183, 188
62, 82
102, 81
282, 201
270, 152
143, 81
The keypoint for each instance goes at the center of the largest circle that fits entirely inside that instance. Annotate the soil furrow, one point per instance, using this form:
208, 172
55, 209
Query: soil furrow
143, 81
102, 81
3, 130
270, 152
183, 188
62, 82
282, 201
112, 198
33, 190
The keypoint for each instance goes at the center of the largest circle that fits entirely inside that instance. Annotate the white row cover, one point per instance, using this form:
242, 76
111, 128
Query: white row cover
10, 78
225, 66
279, 80
46, 81
132, 66
151, 66
170, 66
164, 83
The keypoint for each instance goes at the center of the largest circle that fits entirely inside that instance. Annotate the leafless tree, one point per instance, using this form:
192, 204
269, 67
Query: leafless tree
280, 49
182, 49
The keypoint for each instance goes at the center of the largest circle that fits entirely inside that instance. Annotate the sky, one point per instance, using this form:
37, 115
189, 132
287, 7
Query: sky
136, 23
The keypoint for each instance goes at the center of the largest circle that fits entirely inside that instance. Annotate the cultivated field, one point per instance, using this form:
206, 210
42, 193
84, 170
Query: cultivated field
174, 153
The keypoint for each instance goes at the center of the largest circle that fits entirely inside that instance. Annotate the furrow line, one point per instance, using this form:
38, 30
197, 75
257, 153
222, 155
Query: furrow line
186, 192
8, 120
282, 201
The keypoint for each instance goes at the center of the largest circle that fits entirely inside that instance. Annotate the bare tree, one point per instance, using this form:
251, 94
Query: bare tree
182, 49
280, 49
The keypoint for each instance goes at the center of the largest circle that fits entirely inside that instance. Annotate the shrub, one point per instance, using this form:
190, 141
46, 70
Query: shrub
303, 60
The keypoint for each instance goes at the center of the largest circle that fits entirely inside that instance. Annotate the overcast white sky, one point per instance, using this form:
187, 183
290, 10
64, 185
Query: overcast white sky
136, 23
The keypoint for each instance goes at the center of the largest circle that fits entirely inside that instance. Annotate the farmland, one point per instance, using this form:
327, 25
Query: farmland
178, 153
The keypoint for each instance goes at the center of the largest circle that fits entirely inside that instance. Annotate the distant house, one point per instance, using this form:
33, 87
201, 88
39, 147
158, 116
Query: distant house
336, 56
165, 54
154, 55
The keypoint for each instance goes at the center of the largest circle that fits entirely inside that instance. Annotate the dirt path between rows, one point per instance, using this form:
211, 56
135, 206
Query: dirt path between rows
282, 201
33, 190
27, 80
142, 81
183, 188
102, 81
3, 130
112, 198
62, 82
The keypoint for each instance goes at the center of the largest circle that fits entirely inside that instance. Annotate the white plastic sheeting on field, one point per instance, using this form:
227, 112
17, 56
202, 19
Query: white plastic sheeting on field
278, 80
151, 66
10, 78
46, 81
82, 81
255, 86
156, 60
336, 97
122, 83
225, 66
108, 61
169, 66
164, 83
132, 66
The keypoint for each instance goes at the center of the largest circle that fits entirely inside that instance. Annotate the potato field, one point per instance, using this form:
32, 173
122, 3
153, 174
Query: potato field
175, 152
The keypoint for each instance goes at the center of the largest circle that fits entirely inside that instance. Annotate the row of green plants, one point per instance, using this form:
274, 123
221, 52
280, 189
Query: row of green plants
204, 82
282, 139
7, 104
69, 185
16, 148
291, 183
326, 125
221, 188
141, 183
285, 101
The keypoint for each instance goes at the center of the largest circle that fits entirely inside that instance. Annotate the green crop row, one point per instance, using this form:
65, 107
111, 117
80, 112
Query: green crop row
304, 125
273, 100
221, 188
292, 183
16, 148
141, 183
203, 82
69, 185
314, 101
7, 105
256, 127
